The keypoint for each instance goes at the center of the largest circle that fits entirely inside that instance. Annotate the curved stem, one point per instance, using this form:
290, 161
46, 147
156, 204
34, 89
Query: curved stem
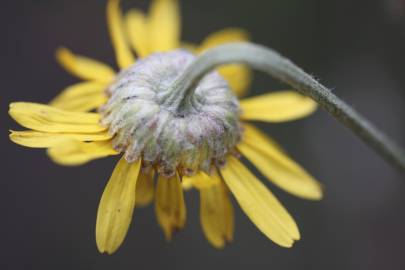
272, 63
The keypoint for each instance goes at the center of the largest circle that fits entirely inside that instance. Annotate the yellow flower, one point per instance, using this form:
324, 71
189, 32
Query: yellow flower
73, 135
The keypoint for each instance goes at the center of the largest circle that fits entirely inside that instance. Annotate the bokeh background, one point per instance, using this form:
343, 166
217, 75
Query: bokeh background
356, 47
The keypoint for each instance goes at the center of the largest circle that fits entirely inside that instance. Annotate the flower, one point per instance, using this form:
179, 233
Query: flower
202, 154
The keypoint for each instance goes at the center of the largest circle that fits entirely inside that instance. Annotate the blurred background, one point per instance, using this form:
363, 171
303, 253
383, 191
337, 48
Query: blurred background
356, 47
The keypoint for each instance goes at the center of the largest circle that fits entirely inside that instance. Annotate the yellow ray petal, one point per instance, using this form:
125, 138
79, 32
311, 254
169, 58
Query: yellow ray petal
259, 204
277, 107
238, 76
74, 153
81, 97
224, 36
84, 67
164, 25
216, 215
169, 205
187, 185
115, 21
277, 166
200, 180
117, 206
37, 139
48, 119
145, 188
138, 34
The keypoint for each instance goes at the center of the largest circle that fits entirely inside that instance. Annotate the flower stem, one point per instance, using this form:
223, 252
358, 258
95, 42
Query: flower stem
272, 63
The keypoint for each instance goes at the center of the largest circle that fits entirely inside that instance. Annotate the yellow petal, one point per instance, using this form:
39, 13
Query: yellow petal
187, 185
116, 206
169, 205
200, 180
238, 76
137, 29
277, 166
277, 107
216, 215
48, 119
164, 23
81, 97
259, 204
145, 188
224, 36
84, 67
115, 21
37, 139
73, 153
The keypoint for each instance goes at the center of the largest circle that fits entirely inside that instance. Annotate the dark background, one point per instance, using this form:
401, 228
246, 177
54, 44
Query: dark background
354, 46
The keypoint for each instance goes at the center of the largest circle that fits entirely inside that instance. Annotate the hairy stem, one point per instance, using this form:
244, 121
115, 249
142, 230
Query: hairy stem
272, 63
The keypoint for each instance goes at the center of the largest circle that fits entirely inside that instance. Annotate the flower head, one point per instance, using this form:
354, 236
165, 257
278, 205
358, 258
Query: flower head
195, 143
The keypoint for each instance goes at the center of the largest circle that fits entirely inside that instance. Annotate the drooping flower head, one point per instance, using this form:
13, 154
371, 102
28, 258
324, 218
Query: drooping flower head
177, 142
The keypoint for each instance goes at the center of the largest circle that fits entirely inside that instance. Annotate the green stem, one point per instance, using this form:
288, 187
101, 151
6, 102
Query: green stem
272, 63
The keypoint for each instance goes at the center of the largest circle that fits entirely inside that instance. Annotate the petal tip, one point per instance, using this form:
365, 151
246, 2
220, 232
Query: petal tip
62, 54
218, 245
287, 244
12, 106
103, 250
317, 193
297, 236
